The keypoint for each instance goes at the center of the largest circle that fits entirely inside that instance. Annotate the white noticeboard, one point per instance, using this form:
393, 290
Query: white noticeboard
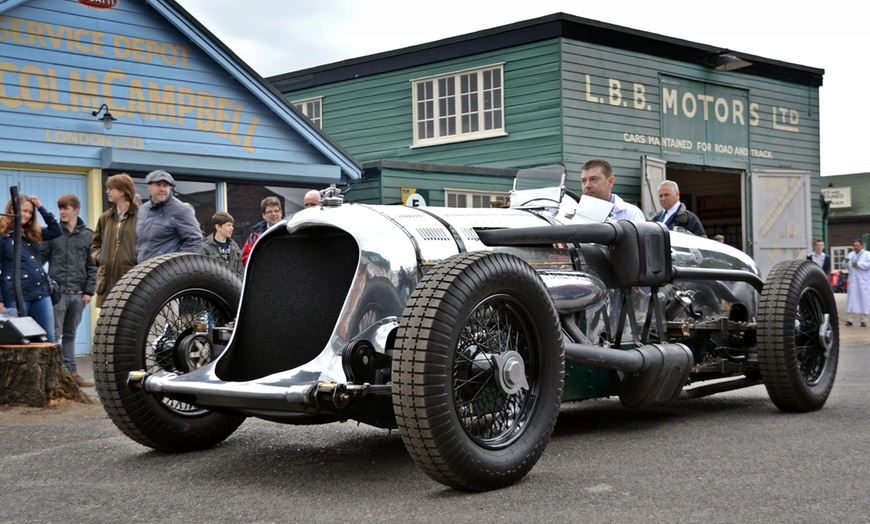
838, 197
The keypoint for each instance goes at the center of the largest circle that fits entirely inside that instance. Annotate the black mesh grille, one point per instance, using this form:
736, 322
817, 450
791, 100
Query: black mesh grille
293, 295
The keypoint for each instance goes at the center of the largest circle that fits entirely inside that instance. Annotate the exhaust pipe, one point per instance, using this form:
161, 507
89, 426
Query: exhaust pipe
628, 360
654, 374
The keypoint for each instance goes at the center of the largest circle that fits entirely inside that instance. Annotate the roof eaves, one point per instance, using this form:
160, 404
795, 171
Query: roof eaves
6, 5
558, 25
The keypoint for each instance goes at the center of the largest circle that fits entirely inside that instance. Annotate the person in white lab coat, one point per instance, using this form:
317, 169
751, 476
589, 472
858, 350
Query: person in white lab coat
858, 291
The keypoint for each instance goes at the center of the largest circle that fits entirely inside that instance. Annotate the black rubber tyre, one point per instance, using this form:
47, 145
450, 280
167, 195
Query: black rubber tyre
475, 328
142, 324
798, 336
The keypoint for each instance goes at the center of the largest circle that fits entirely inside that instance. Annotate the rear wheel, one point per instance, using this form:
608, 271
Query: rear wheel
798, 336
478, 371
155, 319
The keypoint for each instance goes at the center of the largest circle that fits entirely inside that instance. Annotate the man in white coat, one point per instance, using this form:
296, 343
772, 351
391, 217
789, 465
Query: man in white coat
858, 298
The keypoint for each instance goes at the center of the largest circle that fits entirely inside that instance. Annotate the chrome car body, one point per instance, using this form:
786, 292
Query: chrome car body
317, 335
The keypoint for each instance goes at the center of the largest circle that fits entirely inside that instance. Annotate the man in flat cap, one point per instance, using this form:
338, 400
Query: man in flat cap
164, 224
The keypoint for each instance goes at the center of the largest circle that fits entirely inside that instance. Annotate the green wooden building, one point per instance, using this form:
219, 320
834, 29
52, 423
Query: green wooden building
453, 119
848, 219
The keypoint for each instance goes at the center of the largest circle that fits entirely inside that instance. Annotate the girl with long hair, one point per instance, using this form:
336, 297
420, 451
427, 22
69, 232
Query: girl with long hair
35, 288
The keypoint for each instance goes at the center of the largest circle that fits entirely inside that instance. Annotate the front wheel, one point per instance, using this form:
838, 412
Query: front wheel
155, 318
798, 336
478, 371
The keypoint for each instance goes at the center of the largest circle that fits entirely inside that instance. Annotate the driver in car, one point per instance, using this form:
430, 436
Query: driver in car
597, 179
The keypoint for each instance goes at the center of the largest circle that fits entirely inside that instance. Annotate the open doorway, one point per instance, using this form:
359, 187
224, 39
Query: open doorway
780, 202
716, 196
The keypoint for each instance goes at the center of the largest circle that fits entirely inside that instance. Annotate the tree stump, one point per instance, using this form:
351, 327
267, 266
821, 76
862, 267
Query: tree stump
34, 375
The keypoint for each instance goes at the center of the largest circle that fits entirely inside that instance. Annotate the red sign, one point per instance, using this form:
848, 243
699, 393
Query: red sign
100, 4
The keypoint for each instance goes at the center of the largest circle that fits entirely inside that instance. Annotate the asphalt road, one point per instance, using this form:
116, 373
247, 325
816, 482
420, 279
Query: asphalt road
728, 458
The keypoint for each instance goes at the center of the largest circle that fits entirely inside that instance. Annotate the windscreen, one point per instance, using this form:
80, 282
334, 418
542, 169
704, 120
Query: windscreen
539, 177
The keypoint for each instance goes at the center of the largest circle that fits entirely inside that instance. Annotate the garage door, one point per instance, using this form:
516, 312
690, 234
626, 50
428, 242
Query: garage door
781, 217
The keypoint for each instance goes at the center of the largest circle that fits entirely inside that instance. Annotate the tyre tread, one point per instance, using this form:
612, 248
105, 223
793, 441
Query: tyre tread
421, 405
115, 356
778, 360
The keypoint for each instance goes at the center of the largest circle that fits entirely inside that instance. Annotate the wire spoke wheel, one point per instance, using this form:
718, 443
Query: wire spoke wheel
168, 345
478, 371
798, 336
156, 318
491, 411
812, 330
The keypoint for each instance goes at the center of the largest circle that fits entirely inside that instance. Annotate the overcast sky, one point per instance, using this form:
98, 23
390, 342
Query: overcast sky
279, 36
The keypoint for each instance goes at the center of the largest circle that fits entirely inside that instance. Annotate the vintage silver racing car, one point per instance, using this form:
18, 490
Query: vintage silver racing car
464, 328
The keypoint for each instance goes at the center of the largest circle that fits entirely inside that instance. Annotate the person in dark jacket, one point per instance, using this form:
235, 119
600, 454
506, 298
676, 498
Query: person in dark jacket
163, 224
270, 207
114, 245
820, 257
674, 213
70, 264
220, 244
35, 288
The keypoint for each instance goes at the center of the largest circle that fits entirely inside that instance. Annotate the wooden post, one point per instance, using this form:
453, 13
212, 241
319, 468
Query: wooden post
34, 375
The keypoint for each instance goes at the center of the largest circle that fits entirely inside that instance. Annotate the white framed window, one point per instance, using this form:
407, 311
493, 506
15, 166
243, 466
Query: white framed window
465, 198
838, 254
313, 109
466, 105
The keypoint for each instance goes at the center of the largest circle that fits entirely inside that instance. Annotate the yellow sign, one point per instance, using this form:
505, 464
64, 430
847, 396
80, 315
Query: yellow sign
406, 192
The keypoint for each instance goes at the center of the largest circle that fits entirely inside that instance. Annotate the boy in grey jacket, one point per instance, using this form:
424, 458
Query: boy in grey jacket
219, 243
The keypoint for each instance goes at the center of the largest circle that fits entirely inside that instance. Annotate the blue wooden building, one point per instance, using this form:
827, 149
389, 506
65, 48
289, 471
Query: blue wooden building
90, 88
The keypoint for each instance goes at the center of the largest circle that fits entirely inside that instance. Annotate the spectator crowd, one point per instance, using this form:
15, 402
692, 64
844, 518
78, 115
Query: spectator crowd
86, 264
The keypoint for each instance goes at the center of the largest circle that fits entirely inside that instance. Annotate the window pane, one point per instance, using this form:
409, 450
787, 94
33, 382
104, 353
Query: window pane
425, 110
466, 103
446, 107
311, 109
470, 123
492, 100
477, 200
